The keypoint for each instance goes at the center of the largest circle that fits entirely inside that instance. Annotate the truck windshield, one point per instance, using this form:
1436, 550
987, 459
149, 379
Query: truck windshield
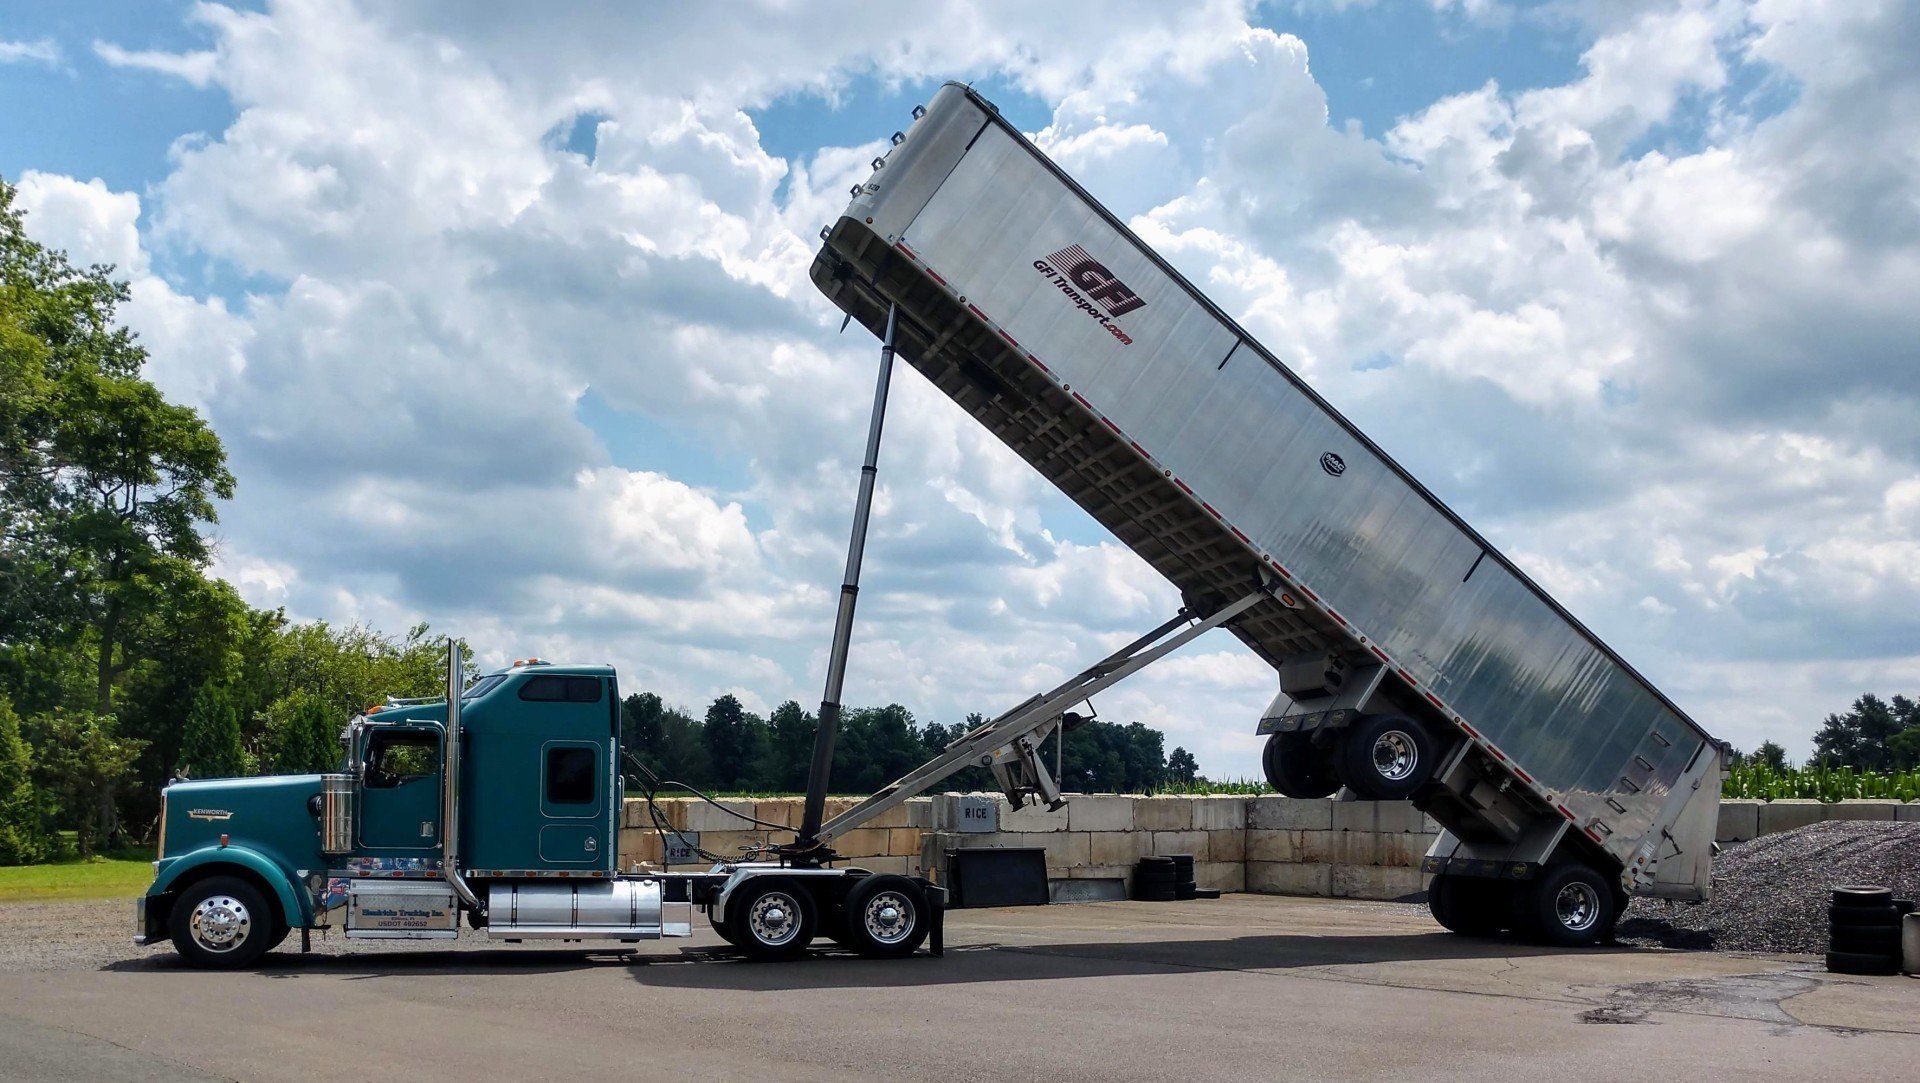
482, 686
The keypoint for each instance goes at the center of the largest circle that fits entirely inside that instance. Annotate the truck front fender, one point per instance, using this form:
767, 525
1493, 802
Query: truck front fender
295, 904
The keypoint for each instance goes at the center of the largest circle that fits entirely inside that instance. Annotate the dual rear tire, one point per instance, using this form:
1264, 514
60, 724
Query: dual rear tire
1568, 905
881, 916
1381, 757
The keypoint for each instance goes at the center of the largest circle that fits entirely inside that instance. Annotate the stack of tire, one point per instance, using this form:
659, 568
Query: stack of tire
1865, 930
1157, 879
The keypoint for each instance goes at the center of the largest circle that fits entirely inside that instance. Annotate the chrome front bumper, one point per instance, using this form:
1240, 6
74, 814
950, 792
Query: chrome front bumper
140, 937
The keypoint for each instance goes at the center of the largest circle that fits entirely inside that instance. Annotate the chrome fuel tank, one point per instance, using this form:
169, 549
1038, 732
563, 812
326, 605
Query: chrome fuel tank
583, 910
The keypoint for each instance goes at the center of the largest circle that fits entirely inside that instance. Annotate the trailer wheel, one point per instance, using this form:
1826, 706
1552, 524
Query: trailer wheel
1297, 769
1385, 757
1469, 905
887, 916
222, 923
1570, 905
773, 918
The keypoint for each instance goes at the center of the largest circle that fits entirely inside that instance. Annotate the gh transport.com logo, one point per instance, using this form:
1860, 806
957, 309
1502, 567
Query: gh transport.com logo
1072, 270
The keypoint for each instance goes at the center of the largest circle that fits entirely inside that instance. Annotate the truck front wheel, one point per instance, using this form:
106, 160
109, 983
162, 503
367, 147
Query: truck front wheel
1297, 769
1386, 757
222, 923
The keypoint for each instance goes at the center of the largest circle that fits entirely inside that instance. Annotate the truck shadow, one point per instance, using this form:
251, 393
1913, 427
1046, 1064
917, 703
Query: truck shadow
719, 968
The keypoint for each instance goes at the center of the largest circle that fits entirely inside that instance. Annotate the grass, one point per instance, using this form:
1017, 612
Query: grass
120, 875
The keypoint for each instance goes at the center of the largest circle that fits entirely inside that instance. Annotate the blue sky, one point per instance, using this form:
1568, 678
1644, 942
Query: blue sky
502, 315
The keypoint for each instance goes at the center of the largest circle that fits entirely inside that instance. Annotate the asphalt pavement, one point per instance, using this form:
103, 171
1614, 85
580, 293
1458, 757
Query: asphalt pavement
1242, 987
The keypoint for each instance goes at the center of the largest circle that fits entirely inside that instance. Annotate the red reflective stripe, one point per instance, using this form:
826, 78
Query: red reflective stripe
1471, 732
1144, 453
1009, 338
1184, 487
1308, 593
1524, 777
1435, 700
975, 309
1595, 835
1282, 569
1497, 754
1567, 812
935, 275
1082, 400
1241, 536
1378, 653
902, 246
1108, 422
1210, 510
1407, 677
1336, 616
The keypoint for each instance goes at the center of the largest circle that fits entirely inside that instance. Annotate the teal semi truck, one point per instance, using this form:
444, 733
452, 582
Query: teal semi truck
500, 804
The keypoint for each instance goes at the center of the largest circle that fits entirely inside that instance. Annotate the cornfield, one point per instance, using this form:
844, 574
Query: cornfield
1761, 782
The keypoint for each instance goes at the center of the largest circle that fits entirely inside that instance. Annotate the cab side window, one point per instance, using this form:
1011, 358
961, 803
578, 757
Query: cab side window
571, 775
393, 758
558, 689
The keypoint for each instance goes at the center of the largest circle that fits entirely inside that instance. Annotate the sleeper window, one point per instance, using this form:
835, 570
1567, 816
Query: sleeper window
570, 776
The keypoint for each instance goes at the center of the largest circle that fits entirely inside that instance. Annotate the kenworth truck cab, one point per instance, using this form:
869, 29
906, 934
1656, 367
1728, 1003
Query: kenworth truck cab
505, 809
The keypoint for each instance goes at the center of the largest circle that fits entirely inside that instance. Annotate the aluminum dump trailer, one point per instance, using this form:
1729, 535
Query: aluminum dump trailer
1047, 319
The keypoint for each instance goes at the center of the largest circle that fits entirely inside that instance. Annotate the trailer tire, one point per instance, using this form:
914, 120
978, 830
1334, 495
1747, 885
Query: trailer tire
1297, 769
1385, 757
887, 916
1468, 905
222, 923
772, 917
1569, 905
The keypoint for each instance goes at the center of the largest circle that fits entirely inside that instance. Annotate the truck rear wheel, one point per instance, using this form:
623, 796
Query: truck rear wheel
1297, 769
1570, 905
772, 918
1470, 905
886, 917
1385, 757
222, 923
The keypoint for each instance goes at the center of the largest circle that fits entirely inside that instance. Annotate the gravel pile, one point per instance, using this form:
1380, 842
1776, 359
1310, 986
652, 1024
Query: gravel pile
1771, 893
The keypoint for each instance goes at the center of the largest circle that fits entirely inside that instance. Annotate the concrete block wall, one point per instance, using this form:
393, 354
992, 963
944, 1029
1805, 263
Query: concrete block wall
1344, 849
1743, 820
1100, 836
889, 843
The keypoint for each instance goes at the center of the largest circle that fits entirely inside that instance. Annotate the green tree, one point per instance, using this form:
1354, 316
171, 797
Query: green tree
730, 735
1182, 767
106, 485
304, 735
210, 747
1859, 738
643, 729
1770, 754
789, 749
23, 835
82, 760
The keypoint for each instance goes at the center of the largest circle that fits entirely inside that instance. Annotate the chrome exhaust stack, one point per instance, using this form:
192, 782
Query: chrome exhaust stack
450, 785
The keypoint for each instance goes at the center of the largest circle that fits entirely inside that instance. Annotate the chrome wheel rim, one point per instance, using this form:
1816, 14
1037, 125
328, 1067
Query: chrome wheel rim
220, 923
1395, 755
774, 918
1577, 906
889, 917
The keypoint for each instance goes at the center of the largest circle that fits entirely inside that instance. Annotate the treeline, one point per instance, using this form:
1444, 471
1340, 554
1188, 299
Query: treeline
1874, 735
732, 749
122, 662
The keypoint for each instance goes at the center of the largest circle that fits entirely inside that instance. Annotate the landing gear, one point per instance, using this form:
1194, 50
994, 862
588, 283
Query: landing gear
1295, 768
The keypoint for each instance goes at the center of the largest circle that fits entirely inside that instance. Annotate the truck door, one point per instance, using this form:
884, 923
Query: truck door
400, 790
